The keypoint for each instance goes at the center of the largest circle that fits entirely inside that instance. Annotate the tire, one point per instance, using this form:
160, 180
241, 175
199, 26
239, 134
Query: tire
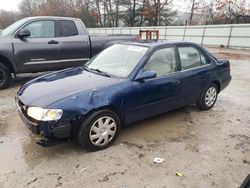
5, 76
102, 137
209, 97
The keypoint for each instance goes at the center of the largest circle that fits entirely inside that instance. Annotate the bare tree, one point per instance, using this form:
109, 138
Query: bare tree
195, 6
31, 7
98, 6
229, 11
7, 18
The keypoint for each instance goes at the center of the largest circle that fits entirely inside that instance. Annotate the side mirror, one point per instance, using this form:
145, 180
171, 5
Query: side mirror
143, 75
23, 33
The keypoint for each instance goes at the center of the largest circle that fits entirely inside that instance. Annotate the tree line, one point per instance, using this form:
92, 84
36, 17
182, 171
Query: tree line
114, 13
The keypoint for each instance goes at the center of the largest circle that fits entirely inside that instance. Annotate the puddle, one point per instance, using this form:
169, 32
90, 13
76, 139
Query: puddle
161, 127
170, 127
18, 147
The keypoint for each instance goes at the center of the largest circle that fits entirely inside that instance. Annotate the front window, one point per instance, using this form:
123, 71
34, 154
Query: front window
41, 29
162, 62
118, 60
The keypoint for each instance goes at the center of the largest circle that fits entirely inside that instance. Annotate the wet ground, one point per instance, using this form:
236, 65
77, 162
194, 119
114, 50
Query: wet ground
210, 149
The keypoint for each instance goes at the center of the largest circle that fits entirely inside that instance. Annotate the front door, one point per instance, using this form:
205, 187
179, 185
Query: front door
156, 95
39, 51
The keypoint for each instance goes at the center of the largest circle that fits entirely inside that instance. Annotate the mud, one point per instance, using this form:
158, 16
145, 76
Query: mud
211, 149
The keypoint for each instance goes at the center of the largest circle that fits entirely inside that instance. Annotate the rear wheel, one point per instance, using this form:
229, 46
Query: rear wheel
5, 76
99, 130
209, 97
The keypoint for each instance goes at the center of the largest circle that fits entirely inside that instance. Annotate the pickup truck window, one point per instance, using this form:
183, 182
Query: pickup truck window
118, 60
162, 62
66, 28
41, 29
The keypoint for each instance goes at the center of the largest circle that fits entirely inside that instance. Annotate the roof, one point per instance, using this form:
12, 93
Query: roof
50, 17
155, 43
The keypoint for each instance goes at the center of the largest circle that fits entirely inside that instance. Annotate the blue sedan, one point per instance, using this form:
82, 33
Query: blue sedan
123, 84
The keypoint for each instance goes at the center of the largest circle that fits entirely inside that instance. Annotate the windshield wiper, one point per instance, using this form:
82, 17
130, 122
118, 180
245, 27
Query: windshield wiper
86, 67
102, 72
96, 70
99, 71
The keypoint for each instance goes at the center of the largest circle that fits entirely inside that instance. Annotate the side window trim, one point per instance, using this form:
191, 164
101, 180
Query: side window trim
200, 67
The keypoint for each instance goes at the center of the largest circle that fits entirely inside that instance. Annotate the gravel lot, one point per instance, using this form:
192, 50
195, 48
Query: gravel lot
210, 149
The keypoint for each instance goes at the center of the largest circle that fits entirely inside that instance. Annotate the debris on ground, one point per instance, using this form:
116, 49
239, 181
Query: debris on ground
158, 160
179, 174
34, 180
83, 169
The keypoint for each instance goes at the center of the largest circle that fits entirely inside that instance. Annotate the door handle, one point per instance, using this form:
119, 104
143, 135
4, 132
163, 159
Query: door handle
53, 42
176, 82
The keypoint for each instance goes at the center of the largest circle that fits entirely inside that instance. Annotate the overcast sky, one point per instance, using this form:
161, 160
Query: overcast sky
13, 4
9, 4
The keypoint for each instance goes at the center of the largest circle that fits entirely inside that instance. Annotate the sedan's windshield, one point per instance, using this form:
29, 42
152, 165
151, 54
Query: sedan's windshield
9, 30
118, 60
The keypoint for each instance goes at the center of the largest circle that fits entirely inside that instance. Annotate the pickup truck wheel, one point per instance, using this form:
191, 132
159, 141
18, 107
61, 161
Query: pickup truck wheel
5, 76
99, 130
209, 97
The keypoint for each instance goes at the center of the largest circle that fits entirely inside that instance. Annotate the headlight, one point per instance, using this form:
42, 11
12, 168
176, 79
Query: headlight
44, 114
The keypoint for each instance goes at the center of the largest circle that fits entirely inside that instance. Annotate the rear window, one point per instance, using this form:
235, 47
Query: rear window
66, 28
190, 57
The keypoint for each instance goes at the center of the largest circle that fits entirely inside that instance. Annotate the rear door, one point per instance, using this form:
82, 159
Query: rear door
75, 46
196, 71
37, 52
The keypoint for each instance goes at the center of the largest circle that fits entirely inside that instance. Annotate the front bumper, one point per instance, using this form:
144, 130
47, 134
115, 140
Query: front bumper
51, 130
32, 124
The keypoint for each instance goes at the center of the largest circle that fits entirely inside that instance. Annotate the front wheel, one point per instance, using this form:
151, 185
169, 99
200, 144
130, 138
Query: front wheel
5, 76
209, 97
99, 130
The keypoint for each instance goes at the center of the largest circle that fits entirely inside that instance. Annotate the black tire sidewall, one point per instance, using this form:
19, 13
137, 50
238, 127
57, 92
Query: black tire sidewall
202, 103
7, 73
84, 129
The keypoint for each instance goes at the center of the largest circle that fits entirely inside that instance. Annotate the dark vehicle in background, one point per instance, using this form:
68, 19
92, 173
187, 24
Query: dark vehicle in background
37, 44
123, 84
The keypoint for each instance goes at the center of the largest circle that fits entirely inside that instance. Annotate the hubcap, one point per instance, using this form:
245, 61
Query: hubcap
210, 97
2, 77
102, 131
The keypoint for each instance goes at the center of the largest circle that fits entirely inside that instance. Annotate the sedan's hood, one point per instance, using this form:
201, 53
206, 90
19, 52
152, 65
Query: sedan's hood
53, 87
